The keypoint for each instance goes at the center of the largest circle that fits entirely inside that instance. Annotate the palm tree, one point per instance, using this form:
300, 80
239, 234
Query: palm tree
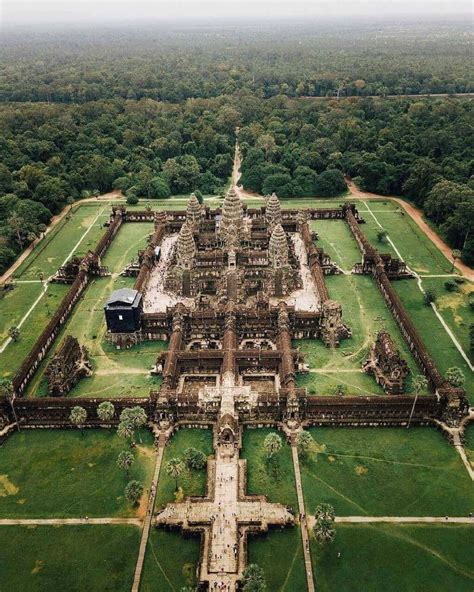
455, 376
125, 460
324, 526
135, 417
194, 458
272, 444
304, 443
106, 411
133, 491
174, 468
126, 431
421, 384
78, 417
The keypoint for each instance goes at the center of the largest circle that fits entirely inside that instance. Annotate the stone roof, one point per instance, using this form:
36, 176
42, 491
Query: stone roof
193, 210
273, 211
185, 246
232, 219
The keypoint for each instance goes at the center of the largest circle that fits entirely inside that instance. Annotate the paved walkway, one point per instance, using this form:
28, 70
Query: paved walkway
304, 521
148, 518
399, 520
67, 521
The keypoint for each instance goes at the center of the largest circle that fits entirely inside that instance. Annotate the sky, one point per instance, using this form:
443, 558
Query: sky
77, 11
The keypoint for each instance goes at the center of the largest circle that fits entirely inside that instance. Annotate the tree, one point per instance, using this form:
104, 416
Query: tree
429, 296
132, 198
330, 183
456, 254
304, 443
78, 417
194, 459
159, 188
135, 417
106, 411
272, 445
14, 333
253, 579
382, 235
133, 491
7, 390
324, 525
455, 376
125, 460
174, 469
125, 430
421, 384
17, 224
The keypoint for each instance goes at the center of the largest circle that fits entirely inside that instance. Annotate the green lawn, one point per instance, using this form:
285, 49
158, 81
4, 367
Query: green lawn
276, 482
365, 313
336, 239
433, 333
75, 236
171, 562
68, 558
280, 554
469, 443
12, 309
191, 482
386, 472
418, 558
58, 474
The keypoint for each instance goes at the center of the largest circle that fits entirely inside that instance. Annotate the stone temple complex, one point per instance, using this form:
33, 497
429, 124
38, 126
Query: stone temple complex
229, 290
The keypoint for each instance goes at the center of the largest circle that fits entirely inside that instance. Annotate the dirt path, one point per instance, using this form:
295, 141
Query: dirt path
113, 195
66, 521
417, 216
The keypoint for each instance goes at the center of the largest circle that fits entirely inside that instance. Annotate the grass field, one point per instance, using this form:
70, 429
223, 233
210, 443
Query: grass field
280, 554
386, 472
171, 562
469, 443
278, 483
365, 313
68, 558
191, 482
418, 558
60, 474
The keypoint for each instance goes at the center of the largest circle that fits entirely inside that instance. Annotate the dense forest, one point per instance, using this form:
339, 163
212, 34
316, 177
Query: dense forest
155, 113
344, 57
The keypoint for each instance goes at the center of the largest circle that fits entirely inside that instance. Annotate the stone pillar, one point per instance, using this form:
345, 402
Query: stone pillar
175, 345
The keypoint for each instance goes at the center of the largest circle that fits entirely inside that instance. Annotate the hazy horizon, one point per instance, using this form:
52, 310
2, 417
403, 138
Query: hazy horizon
43, 12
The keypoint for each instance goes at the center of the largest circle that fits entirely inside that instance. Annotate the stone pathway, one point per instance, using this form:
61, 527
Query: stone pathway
401, 519
148, 517
304, 521
67, 521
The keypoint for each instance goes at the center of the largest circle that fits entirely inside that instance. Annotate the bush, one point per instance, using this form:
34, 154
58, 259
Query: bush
450, 286
429, 296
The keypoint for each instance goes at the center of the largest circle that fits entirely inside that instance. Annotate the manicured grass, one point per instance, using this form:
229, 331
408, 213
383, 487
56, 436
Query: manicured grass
418, 558
84, 226
454, 308
276, 482
469, 443
191, 482
280, 554
12, 309
69, 558
386, 472
171, 562
432, 332
365, 313
413, 245
58, 474
336, 239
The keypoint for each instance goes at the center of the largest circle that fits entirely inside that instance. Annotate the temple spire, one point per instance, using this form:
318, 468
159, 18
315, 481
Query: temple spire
193, 211
273, 211
278, 247
232, 222
185, 247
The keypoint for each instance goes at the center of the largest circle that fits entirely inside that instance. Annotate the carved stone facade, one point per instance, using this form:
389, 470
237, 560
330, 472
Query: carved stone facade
69, 364
385, 363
